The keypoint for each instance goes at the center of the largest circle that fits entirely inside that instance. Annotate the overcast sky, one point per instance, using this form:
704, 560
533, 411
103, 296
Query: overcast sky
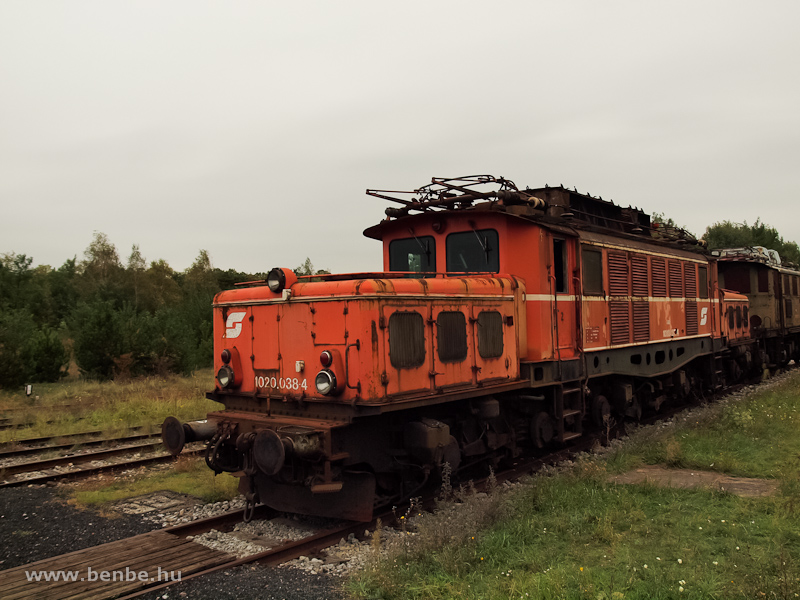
251, 129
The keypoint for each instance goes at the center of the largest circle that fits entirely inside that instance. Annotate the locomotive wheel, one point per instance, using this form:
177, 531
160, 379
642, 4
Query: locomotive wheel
601, 410
541, 429
634, 410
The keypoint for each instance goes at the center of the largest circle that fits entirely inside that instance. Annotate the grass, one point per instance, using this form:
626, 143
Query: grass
569, 533
111, 407
755, 438
189, 476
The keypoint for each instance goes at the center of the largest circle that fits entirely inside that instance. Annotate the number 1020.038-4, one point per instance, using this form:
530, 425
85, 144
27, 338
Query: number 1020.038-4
281, 383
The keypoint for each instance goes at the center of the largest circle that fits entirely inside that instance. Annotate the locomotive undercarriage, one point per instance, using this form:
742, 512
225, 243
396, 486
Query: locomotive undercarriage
347, 468
345, 465
778, 349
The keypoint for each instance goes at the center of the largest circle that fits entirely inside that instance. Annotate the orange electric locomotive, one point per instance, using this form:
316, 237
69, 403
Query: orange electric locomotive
504, 318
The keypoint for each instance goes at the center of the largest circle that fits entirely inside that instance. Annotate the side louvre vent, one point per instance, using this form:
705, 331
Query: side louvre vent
659, 269
451, 336
406, 340
620, 322
617, 274
639, 275
691, 318
490, 334
641, 321
690, 279
675, 280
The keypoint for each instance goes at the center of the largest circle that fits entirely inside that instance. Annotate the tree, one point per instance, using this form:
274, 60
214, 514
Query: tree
102, 261
96, 338
307, 268
28, 353
200, 277
741, 235
64, 290
101, 271
15, 275
135, 274
162, 286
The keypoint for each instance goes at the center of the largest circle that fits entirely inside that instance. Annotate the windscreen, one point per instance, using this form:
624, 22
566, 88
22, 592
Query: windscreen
471, 251
416, 254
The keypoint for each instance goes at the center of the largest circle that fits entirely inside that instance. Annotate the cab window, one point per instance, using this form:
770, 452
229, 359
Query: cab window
416, 254
473, 251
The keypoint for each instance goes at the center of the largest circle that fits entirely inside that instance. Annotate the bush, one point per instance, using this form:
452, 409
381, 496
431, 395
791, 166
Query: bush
28, 354
96, 338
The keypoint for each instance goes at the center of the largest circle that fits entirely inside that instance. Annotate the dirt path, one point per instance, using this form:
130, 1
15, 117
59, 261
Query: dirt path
688, 479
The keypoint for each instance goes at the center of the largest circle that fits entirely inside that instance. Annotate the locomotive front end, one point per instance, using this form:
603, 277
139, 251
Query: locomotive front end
327, 385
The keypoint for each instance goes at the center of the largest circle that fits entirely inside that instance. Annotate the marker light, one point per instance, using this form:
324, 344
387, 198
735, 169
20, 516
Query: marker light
326, 358
226, 356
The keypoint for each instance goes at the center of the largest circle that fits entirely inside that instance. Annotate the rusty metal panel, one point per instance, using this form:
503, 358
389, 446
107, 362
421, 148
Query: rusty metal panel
620, 322
641, 321
617, 274
329, 322
691, 318
639, 275
763, 281
265, 337
659, 269
675, 280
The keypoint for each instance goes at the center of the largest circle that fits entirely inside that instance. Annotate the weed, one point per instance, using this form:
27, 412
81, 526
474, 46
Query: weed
110, 407
191, 477
673, 453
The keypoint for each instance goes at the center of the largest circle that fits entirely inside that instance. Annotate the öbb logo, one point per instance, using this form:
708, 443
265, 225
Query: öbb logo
233, 326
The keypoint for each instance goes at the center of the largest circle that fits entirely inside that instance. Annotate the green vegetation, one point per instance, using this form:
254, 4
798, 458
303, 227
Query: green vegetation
570, 533
757, 438
118, 321
739, 235
188, 476
115, 320
110, 406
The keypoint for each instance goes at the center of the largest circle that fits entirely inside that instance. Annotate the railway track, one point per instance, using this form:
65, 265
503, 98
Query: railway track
76, 438
168, 549
28, 448
80, 465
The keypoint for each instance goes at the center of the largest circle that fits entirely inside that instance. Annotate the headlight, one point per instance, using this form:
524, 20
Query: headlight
225, 376
276, 280
325, 382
